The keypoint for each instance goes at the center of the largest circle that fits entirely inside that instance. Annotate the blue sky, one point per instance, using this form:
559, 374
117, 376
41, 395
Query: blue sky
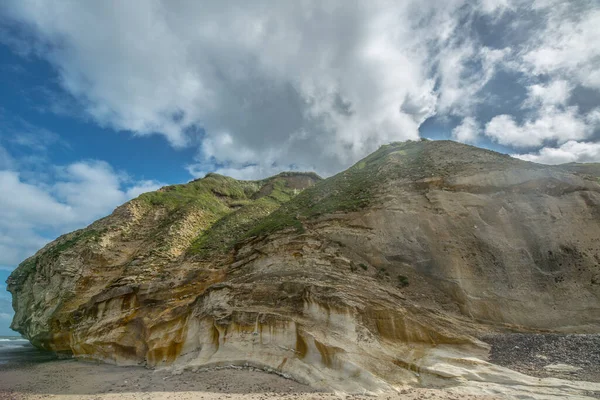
101, 101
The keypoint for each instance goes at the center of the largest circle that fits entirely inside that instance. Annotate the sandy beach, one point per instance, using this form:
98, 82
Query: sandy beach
28, 373
78, 380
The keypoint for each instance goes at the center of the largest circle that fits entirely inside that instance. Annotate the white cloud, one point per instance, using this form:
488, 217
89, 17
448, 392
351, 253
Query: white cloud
593, 117
305, 84
315, 85
550, 125
467, 131
571, 151
569, 46
562, 49
420, 105
564, 52
459, 81
32, 212
142, 187
556, 93
496, 6
20, 201
91, 186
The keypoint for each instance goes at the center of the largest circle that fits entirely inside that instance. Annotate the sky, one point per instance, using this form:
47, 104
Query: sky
101, 101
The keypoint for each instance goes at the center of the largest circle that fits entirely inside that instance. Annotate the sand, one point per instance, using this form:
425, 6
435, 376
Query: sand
78, 380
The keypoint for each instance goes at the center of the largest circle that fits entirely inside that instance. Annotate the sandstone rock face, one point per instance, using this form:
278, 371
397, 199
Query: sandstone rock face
380, 276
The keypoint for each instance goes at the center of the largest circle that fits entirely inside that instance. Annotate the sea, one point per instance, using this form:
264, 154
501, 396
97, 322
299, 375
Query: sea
18, 350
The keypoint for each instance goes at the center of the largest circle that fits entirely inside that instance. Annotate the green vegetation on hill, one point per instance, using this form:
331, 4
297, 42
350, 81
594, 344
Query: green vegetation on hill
61, 245
230, 207
356, 188
224, 233
234, 210
214, 193
347, 191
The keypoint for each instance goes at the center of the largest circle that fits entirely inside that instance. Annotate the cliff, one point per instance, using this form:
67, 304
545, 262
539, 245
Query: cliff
385, 274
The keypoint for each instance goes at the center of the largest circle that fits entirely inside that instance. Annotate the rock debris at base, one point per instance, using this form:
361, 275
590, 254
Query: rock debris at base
531, 354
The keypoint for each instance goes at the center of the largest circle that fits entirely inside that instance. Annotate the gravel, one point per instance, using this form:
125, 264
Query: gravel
530, 353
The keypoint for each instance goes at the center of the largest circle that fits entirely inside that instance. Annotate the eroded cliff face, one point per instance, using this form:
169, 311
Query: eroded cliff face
379, 276
524, 252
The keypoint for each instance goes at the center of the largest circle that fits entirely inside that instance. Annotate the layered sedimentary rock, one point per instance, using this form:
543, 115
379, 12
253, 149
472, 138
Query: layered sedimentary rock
382, 275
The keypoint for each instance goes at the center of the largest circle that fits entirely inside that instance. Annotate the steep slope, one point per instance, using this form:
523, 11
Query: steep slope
135, 245
509, 241
379, 276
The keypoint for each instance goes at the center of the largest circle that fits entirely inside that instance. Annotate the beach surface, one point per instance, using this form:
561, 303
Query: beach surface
28, 373
78, 380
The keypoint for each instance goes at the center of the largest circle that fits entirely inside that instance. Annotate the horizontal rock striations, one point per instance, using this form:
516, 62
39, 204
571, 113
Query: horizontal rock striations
380, 276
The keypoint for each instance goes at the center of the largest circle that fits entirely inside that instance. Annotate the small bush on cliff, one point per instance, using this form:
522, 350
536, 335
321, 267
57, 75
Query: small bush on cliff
402, 281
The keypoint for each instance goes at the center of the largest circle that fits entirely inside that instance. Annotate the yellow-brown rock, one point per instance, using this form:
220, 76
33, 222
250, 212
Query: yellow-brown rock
380, 276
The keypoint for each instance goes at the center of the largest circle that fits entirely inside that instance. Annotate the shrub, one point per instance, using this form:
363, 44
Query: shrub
402, 281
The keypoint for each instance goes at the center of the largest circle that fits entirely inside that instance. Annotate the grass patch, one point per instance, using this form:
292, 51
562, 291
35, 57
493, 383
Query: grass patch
229, 229
24, 269
358, 187
402, 281
348, 191
77, 237
214, 193
63, 244
231, 208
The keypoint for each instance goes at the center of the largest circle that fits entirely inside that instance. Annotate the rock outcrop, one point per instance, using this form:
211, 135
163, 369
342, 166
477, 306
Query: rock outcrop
383, 275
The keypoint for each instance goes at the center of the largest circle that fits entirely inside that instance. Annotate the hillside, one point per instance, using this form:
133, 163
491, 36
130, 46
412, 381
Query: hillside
386, 274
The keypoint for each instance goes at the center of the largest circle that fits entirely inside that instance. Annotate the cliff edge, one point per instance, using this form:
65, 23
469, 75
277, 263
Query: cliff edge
383, 275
